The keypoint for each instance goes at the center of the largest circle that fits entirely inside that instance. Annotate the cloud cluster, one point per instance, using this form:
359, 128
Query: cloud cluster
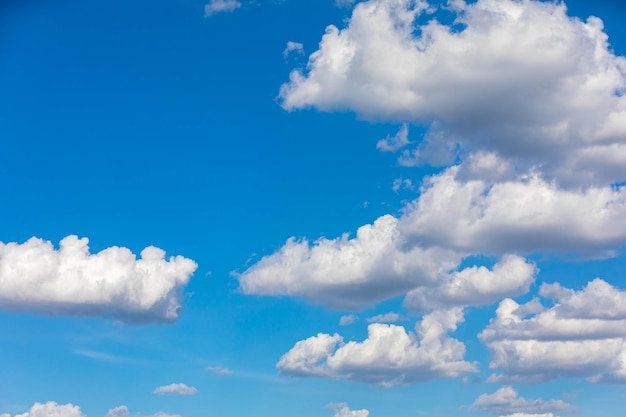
521, 79
175, 389
506, 400
389, 356
524, 108
34, 276
582, 335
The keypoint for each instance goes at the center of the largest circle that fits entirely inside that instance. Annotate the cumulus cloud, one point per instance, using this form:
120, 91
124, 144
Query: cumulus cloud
476, 285
506, 400
348, 272
219, 6
347, 320
52, 409
175, 389
396, 142
34, 276
527, 214
296, 47
521, 79
389, 356
577, 337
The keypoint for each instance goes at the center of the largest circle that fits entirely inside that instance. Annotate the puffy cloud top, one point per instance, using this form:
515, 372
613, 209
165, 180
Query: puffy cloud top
34, 276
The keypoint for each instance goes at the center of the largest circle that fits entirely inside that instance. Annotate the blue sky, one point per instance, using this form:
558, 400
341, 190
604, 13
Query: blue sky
349, 210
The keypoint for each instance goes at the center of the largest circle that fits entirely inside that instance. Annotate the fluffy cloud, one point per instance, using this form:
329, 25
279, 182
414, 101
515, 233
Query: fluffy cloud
476, 285
533, 99
218, 6
175, 389
521, 79
389, 356
34, 276
582, 335
506, 400
349, 272
52, 409
525, 214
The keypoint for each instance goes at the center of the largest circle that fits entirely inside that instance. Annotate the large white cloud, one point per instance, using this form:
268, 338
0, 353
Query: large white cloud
519, 78
389, 356
582, 335
523, 214
34, 276
349, 272
506, 400
453, 217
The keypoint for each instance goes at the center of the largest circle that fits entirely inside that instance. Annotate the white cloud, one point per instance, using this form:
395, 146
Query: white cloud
512, 275
521, 79
296, 47
219, 6
389, 356
396, 142
52, 409
347, 320
348, 272
506, 400
34, 276
120, 411
526, 214
390, 317
175, 389
401, 183
346, 412
219, 370
577, 337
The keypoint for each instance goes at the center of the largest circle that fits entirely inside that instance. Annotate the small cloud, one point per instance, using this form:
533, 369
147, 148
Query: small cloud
347, 320
296, 47
344, 3
396, 142
342, 410
402, 184
390, 317
219, 370
175, 389
218, 6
